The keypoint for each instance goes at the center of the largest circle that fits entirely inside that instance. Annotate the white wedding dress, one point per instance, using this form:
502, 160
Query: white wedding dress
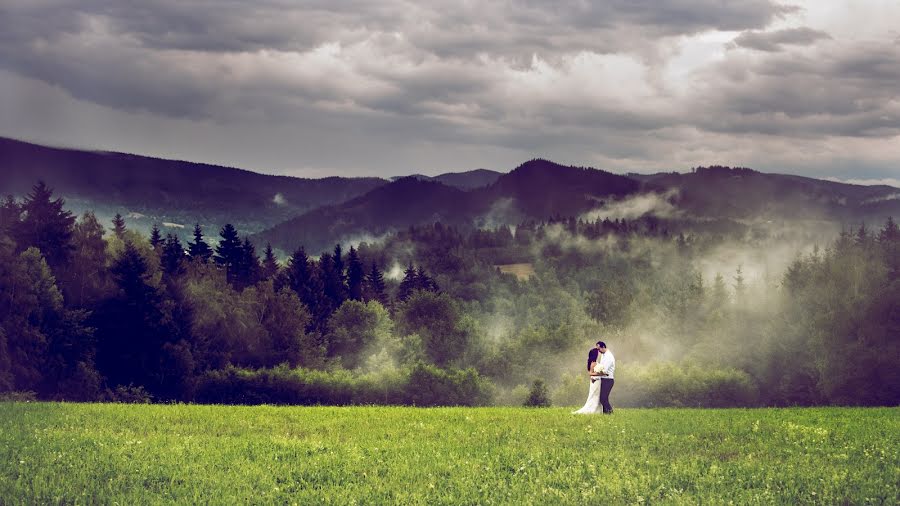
592, 405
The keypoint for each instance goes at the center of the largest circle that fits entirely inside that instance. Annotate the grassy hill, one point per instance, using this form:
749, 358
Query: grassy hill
149, 454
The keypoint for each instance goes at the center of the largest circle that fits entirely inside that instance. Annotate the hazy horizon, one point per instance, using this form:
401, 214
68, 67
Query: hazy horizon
888, 181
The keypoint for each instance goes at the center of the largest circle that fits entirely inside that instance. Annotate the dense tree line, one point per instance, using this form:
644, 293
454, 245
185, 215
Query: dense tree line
425, 316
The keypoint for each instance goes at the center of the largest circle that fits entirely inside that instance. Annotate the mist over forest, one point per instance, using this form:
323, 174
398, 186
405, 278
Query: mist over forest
754, 307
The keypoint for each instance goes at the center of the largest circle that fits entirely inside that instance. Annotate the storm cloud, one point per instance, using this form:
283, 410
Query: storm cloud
433, 86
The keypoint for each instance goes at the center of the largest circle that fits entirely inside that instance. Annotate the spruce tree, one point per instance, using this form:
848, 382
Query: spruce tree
338, 262
172, 256
409, 284
199, 250
248, 268
425, 282
375, 285
298, 274
355, 275
46, 226
332, 280
119, 226
229, 252
155, 237
269, 263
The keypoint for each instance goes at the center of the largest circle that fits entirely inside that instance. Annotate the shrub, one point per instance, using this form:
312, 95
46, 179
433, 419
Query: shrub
670, 385
538, 397
423, 385
129, 394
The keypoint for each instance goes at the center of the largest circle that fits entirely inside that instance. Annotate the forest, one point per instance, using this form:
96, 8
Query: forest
699, 312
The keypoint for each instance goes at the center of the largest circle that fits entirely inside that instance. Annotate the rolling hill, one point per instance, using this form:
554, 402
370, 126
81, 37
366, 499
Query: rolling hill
169, 190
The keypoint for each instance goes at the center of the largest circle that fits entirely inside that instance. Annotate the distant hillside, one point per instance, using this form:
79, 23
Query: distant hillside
538, 189
169, 190
467, 180
404, 202
746, 193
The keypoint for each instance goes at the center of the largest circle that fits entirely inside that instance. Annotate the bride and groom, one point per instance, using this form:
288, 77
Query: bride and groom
601, 366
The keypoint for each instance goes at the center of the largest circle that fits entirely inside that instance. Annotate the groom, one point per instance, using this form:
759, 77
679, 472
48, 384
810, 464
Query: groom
607, 372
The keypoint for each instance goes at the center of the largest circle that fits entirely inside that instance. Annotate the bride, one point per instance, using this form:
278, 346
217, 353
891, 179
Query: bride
592, 405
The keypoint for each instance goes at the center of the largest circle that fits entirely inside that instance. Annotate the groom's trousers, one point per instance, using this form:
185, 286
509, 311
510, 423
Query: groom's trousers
606, 385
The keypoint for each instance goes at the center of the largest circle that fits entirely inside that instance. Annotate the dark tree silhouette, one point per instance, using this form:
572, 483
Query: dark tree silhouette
172, 258
155, 238
230, 253
119, 226
375, 285
199, 250
269, 263
46, 226
355, 275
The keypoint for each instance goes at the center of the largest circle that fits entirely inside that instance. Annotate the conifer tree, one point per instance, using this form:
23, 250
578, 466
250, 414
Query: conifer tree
172, 256
46, 226
409, 284
229, 252
269, 263
375, 285
118, 225
424, 282
199, 250
332, 280
355, 275
338, 262
248, 267
155, 238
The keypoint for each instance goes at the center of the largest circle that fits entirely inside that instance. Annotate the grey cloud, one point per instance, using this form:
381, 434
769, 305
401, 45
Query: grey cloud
776, 40
849, 90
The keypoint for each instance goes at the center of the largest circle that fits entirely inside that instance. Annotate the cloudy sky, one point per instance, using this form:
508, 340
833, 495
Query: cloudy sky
314, 88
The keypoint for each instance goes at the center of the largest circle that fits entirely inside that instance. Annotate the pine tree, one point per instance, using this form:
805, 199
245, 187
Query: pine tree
172, 256
425, 282
199, 250
300, 277
248, 268
375, 285
46, 226
331, 274
298, 274
119, 226
229, 252
338, 262
155, 237
269, 263
355, 275
409, 284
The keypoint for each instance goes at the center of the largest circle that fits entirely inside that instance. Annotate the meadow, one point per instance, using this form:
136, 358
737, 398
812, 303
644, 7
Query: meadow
69, 453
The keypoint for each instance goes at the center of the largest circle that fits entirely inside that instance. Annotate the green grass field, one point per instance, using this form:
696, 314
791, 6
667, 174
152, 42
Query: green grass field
139, 454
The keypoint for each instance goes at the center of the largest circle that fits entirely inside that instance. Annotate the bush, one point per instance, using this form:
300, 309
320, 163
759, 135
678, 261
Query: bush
538, 397
423, 385
429, 385
670, 385
129, 394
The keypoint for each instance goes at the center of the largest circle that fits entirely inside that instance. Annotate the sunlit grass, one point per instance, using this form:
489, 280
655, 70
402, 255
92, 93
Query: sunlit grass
138, 454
